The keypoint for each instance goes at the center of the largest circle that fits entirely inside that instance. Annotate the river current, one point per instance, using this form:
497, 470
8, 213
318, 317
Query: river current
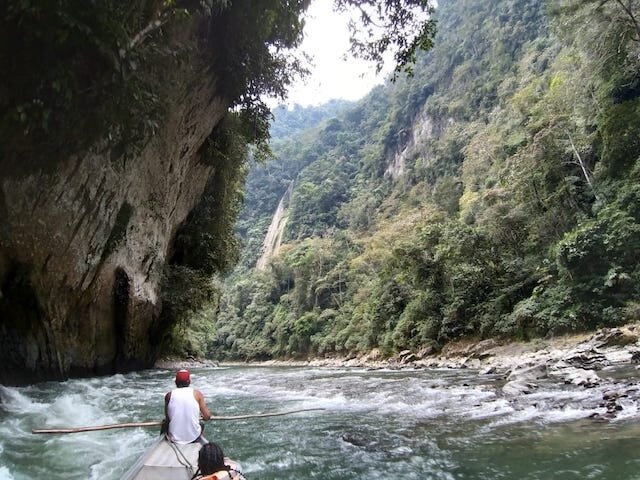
422, 424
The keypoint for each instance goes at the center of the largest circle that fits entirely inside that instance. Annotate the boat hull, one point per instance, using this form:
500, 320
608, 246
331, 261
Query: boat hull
165, 460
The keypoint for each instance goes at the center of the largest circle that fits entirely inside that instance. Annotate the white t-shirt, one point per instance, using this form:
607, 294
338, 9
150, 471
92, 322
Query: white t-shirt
184, 416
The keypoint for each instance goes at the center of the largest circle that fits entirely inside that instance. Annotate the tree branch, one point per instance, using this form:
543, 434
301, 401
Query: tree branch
142, 34
629, 12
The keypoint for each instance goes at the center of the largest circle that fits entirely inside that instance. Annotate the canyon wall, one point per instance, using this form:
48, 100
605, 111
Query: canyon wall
83, 247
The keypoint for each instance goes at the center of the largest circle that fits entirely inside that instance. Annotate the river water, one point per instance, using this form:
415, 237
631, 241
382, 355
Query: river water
422, 424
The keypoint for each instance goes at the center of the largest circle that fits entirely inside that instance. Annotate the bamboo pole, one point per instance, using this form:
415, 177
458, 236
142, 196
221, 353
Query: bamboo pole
96, 427
158, 423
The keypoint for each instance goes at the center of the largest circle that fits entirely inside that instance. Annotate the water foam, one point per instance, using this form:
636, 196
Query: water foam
405, 423
15, 402
77, 410
5, 474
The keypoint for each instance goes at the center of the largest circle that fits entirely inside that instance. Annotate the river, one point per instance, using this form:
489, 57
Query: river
406, 424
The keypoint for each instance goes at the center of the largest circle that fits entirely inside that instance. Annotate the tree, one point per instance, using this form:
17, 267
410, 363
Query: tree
406, 26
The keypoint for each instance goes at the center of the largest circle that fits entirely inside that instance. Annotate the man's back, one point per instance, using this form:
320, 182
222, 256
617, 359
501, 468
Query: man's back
184, 414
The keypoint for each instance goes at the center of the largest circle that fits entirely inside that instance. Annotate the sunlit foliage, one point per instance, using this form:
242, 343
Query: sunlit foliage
493, 193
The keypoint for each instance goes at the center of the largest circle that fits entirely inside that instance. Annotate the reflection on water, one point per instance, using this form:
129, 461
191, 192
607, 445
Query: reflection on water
427, 424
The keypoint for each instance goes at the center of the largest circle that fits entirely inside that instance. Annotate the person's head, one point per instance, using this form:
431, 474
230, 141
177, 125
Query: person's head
211, 459
183, 378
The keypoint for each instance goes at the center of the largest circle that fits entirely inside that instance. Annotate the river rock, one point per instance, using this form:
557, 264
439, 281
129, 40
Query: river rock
611, 403
488, 370
580, 377
409, 359
523, 380
615, 337
360, 440
426, 351
483, 349
587, 357
518, 387
405, 357
528, 373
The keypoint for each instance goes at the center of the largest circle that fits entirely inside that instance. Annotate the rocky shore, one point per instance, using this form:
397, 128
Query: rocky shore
584, 361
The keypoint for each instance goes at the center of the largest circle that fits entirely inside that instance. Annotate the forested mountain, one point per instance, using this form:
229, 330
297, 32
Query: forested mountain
493, 193
266, 183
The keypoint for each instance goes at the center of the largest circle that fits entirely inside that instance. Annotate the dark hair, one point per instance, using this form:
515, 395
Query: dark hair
211, 459
182, 383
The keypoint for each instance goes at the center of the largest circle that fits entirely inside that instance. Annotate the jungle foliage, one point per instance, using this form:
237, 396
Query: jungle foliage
100, 77
247, 47
110, 69
513, 208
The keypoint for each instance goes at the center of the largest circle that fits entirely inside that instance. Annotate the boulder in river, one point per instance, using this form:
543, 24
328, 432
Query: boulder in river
518, 387
528, 373
580, 377
587, 357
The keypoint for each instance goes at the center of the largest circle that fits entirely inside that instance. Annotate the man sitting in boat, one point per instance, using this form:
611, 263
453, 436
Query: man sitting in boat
183, 407
213, 465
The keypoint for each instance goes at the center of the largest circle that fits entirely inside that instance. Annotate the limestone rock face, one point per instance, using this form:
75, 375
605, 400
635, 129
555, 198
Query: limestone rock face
83, 247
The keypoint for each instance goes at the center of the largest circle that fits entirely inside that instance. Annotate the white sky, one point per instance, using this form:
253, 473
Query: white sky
326, 39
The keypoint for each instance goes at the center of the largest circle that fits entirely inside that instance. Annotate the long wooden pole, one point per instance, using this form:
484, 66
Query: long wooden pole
96, 427
155, 424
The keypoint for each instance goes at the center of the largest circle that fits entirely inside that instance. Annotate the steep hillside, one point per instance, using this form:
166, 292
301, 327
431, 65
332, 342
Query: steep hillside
494, 192
295, 146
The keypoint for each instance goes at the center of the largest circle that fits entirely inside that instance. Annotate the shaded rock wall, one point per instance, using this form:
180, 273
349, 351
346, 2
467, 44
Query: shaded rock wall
82, 250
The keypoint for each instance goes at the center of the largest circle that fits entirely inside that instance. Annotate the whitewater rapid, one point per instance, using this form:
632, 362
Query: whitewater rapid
415, 424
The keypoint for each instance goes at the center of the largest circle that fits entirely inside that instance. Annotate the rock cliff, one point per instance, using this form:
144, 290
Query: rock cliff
273, 238
82, 249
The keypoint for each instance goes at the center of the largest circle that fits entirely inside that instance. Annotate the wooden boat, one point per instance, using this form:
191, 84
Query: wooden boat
166, 460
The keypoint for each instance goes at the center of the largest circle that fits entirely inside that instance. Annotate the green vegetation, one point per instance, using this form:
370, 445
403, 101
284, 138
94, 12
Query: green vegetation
110, 69
493, 192
516, 212
81, 78
206, 244
405, 26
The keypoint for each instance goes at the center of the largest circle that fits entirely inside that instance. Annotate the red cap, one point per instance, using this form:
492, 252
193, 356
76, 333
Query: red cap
183, 376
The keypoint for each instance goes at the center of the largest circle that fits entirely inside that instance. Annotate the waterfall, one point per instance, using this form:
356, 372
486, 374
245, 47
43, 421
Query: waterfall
273, 238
